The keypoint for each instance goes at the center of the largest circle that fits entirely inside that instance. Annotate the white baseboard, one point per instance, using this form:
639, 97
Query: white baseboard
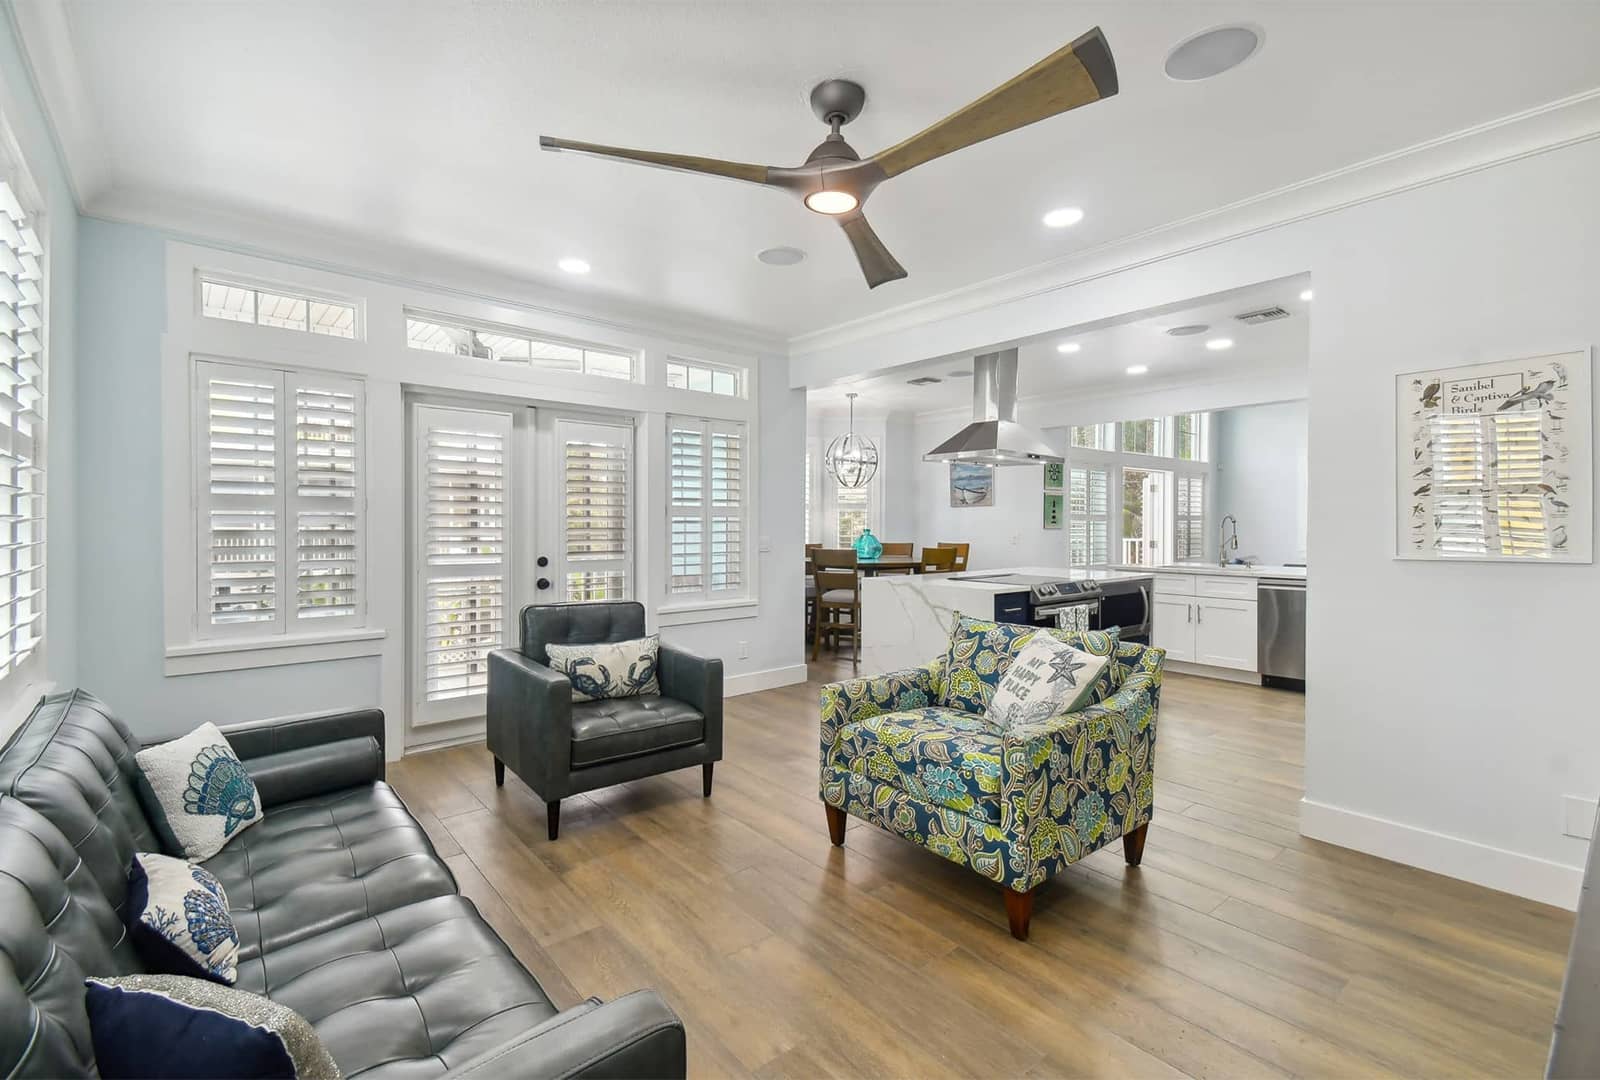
1208, 671
1492, 867
752, 682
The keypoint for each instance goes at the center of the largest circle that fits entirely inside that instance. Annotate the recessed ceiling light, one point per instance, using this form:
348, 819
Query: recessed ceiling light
1307, 295
1068, 347
1217, 344
1063, 216
781, 256
1211, 52
574, 266
1188, 331
1138, 369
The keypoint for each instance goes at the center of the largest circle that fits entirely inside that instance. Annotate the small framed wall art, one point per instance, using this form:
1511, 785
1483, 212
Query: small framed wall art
971, 485
1494, 462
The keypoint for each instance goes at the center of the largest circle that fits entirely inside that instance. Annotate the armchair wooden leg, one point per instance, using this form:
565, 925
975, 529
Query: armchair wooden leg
836, 823
499, 773
552, 811
705, 779
1133, 844
1019, 910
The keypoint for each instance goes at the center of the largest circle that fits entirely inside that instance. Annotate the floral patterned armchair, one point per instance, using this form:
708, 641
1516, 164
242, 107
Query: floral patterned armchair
912, 753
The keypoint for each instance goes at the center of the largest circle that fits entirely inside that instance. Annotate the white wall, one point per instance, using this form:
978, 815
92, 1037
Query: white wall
138, 282
1448, 712
1260, 455
56, 663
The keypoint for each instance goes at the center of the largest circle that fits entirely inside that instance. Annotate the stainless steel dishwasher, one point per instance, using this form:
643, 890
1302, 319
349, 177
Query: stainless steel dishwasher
1281, 631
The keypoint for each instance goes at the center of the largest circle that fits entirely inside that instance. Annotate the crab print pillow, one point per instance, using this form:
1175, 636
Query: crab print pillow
608, 669
197, 793
178, 919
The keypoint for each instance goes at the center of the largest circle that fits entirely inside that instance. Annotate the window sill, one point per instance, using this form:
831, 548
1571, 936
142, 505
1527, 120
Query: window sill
709, 611
240, 654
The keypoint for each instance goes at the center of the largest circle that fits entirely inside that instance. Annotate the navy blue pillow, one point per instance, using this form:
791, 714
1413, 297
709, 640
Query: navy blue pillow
170, 1027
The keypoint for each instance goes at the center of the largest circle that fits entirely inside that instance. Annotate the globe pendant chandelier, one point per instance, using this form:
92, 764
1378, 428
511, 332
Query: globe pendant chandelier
851, 459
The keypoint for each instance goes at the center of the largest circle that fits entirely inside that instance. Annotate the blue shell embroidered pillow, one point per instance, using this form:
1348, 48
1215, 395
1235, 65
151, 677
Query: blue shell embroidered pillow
1048, 678
178, 919
608, 669
197, 792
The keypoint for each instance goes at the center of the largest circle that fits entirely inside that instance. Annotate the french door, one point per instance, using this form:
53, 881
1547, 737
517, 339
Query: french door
511, 506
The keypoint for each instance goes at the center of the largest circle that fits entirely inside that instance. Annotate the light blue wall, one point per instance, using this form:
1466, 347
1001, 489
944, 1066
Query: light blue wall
123, 298
19, 105
1260, 453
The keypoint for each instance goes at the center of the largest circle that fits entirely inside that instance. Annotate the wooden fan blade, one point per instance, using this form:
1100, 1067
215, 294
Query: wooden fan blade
1074, 75
733, 170
876, 262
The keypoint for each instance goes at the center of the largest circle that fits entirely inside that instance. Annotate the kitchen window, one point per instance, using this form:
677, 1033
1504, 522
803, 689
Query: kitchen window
1089, 527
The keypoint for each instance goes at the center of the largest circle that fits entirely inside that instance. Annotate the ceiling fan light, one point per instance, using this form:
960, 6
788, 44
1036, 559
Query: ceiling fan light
831, 202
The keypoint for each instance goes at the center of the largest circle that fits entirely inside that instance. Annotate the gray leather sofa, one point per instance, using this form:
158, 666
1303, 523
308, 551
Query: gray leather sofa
344, 911
560, 747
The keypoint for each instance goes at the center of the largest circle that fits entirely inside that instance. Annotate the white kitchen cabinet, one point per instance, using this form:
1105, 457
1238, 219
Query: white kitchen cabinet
1225, 633
1173, 627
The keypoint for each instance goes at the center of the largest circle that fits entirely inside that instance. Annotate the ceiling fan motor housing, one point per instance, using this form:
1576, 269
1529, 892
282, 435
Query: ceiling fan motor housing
838, 98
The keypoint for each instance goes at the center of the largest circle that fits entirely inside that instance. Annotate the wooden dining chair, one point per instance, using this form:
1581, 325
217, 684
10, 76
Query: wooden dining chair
838, 592
961, 553
938, 560
899, 551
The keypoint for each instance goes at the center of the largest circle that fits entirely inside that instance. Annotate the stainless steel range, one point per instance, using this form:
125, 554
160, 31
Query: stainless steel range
1094, 604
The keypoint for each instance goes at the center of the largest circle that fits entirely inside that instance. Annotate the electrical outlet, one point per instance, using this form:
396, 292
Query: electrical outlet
1579, 814
744, 650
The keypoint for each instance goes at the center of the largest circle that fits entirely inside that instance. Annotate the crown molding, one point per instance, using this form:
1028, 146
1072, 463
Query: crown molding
335, 251
1541, 129
45, 40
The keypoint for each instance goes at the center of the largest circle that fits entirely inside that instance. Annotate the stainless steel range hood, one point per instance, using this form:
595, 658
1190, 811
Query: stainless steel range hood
994, 437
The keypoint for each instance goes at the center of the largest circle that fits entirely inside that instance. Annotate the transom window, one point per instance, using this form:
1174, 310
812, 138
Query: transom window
273, 307
508, 345
704, 378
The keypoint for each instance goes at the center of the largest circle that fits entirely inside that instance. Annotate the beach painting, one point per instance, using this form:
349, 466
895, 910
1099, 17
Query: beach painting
971, 485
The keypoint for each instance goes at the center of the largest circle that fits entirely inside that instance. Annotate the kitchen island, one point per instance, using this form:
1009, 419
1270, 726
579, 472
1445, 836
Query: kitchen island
905, 621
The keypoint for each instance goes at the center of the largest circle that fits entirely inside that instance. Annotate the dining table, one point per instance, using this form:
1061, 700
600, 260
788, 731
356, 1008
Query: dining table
873, 567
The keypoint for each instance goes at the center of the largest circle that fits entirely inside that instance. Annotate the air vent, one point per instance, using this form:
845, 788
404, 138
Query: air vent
1188, 331
923, 380
1266, 314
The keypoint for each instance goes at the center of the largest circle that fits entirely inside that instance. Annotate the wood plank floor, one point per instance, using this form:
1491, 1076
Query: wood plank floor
1237, 949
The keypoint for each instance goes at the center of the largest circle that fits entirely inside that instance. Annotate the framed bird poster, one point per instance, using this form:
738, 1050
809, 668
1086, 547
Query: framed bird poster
1494, 462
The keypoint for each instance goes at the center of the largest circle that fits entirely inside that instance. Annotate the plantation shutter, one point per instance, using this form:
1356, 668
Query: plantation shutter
239, 497
686, 453
597, 541
464, 533
1089, 512
325, 498
727, 508
1188, 528
21, 434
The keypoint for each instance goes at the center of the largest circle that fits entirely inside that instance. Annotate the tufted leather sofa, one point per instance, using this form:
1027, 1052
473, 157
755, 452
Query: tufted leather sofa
345, 913
562, 748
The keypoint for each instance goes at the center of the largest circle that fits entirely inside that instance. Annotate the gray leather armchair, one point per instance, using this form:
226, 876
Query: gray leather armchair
560, 747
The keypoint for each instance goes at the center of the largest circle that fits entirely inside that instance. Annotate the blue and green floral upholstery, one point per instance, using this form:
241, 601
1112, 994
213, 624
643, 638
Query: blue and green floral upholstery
980, 651
1066, 786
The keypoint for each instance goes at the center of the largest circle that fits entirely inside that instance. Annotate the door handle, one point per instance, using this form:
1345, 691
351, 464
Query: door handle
1188, 613
1199, 613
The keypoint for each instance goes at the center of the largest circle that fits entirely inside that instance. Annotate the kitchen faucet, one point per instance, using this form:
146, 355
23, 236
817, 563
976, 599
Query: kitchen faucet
1224, 541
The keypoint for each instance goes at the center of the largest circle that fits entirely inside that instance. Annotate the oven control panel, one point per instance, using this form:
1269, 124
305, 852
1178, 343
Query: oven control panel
1061, 590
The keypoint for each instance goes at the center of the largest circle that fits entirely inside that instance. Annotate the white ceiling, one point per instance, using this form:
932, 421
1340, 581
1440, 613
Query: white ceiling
416, 122
1106, 351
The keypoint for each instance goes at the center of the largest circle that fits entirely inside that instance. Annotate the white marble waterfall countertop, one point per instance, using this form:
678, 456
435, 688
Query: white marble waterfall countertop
906, 618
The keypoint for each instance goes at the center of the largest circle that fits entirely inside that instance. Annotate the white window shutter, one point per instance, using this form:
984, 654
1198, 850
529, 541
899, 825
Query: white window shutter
727, 508
239, 497
326, 499
708, 508
1188, 526
597, 532
686, 453
464, 566
22, 411
1089, 516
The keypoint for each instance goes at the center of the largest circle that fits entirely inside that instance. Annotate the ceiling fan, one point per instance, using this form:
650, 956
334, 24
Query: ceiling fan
836, 181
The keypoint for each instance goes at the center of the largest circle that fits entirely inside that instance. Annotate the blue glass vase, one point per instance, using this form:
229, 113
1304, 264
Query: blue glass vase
867, 545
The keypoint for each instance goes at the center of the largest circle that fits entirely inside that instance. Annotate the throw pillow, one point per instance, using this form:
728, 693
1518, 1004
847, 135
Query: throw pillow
178, 919
1047, 678
170, 1026
197, 792
609, 669
980, 651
